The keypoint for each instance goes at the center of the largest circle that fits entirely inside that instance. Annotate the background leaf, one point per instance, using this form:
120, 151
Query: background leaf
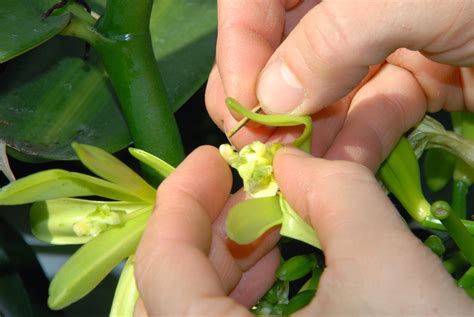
23, 29
50, 97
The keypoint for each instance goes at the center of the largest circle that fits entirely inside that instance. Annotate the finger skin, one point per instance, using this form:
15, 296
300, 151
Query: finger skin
380, 112
173, 272
329, 51
140, 310
249, 32
374, 265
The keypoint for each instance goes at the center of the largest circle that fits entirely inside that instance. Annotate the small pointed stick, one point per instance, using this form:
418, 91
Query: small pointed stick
241, 123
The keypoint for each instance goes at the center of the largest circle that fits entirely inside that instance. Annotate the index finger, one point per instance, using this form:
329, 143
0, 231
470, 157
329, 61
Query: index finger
248, 33
173, 271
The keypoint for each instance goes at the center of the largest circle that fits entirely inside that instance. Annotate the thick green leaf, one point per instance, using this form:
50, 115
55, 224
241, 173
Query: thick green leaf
23, 29
52, 220
249, 219
438, 167
293, 226
112, 169
58, 183
93, 261
184, 37
50, 97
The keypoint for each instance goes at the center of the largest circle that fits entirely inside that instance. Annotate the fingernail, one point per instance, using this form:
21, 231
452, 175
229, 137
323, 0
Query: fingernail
279, 91
293, 151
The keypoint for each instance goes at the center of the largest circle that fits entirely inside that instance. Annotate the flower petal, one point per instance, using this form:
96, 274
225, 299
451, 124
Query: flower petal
293, 226
303, 141
126, 293
251, 218
163, 168
112, 169
52, 221
93, 261
58, 183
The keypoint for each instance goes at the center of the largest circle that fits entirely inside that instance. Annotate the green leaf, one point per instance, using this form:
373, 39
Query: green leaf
183, 33
23, 29
52, 220
157, 164
58, 183
112, 169
293, 226
93, 261
126, 293
50, 97
249, 219
438, 167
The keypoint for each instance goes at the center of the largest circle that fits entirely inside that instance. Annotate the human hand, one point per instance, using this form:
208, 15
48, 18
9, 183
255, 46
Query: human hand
375, 266
184, 265
368, 69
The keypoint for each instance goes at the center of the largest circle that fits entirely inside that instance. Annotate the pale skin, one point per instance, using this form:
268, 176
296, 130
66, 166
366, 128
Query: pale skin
375, 266
420, 54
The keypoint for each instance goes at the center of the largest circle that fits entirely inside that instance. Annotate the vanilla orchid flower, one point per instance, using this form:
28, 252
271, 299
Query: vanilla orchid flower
109, 230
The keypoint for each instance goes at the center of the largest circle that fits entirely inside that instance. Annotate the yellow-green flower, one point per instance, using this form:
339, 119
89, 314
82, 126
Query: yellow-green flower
109, 230
254, 164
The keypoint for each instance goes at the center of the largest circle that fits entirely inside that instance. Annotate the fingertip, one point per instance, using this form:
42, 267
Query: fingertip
203, 175
278, 89
286, 157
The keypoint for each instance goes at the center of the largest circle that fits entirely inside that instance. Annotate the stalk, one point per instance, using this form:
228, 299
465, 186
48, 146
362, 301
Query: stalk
455, 263
459, 198
131, 65
122, 39
431, 222
443, 211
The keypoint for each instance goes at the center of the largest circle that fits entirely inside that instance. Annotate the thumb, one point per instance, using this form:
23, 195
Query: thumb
344, 203
328, 53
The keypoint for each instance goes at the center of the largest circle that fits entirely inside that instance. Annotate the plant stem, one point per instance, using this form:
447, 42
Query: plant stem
467, 282
459, 198
455, 263
443, 211
433, 223
132, 68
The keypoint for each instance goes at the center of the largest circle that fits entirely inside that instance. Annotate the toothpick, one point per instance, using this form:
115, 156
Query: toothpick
241, 123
